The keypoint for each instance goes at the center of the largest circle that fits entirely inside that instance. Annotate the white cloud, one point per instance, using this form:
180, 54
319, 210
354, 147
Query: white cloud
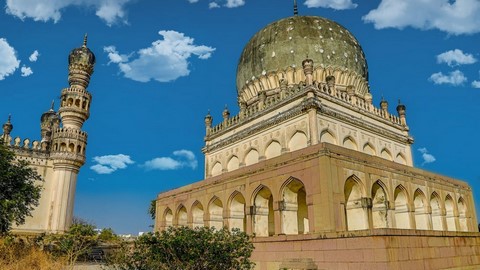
454, 78
427, 158
476, 84
8, 59
455, 58
181, 159
111, 11
333, 4
452, 16
34, 56
192, 1
234, 3
164, 61
110, 163
213, 5
26, 71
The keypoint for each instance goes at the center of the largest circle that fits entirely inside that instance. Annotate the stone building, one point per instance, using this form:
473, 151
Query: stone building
60, 153
319, 175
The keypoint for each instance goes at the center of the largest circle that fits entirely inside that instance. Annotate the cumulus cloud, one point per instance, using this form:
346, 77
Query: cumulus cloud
192, 1
427, 157
225, 3
165, 60
333, 4
8, 59
234, 3
26, 71
454, 78
452, 16
110, 163
111, 11
476, 84
213, 5
34, 56
181, 159
455, 58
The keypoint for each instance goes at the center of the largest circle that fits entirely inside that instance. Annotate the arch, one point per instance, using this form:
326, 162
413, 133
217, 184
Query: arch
402, 214
79, 149
274, 149
379, 205
356, 212
84, 105
182, 217
77, 103
401, 159
251, 157
449, 213
217, 169
462, 215
70, 102
71, 148
215, 213
63, 147
233, 164
369, 149
437, 216
168, 217
350, 143
263, 221
294, 207
298, 141
328, 136
237, 211
197, 214
422, 217
385, 153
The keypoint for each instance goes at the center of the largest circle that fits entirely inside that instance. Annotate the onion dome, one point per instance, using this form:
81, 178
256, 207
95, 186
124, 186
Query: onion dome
286, 43
7, 127
82, 55
48, 115
80, 66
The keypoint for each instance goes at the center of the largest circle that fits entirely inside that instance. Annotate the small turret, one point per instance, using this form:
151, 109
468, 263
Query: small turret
226, 114
307, 65
49, 122
7, 127
401, 109
384, 105
208, 122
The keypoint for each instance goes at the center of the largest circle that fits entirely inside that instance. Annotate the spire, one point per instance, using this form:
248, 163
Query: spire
295, 8
85, 41
53, 105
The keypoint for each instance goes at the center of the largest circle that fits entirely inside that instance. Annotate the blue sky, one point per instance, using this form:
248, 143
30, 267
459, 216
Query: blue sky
161, 65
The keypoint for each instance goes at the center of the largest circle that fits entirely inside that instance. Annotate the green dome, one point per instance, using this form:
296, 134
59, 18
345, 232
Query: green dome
287, 42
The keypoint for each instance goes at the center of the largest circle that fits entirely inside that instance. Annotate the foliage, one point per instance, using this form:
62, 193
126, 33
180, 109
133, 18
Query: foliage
19, 191
182, 248
107, 235
152, 209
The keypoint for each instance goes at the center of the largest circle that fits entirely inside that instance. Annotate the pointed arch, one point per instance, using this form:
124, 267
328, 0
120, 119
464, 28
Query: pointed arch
181, 216
328, 136
349, 142
356, 211
369, 149
251, 157
437, 215
233, 163
168, 217
422, 217
400, 158
197, 214
449, 213
217, 169
379, 205
263, 220
294, 212
402, 213
298, 141
215, 213
462, 215
274, 149
236, 209
385, 153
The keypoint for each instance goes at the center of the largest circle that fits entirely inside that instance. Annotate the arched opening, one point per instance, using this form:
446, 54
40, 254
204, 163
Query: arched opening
449, 214
379, 206
400, 159
70, 102
237, 212
84, 105
79, 149
327, 137
437, 217
368, 149
402, 215
422, 217
263, 221
63, 147
217, 169
294, 208
77, 103
274, 149
349, 143
168, 217
71, 148
251, 157
197, 215
233, 164
182, 216
298, 141
462, 215
386, 154
215, 214
357, 214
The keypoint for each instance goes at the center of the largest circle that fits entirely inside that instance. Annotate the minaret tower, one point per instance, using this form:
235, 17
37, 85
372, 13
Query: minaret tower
69, 141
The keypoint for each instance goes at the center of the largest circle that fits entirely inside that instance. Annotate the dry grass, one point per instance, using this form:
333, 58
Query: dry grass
18, 254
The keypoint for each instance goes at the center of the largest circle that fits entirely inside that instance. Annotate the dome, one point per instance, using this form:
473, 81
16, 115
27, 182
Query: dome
82, 55
289, 41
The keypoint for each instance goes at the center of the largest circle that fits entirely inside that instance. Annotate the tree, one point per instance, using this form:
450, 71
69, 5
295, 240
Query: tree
183, 248
152, 209
19, 190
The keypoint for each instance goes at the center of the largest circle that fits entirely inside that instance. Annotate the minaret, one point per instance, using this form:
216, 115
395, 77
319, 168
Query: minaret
69, 141
7, 128
49, 122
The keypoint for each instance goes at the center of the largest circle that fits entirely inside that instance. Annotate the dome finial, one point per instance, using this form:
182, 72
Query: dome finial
85, 41
53, 105
295, 8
